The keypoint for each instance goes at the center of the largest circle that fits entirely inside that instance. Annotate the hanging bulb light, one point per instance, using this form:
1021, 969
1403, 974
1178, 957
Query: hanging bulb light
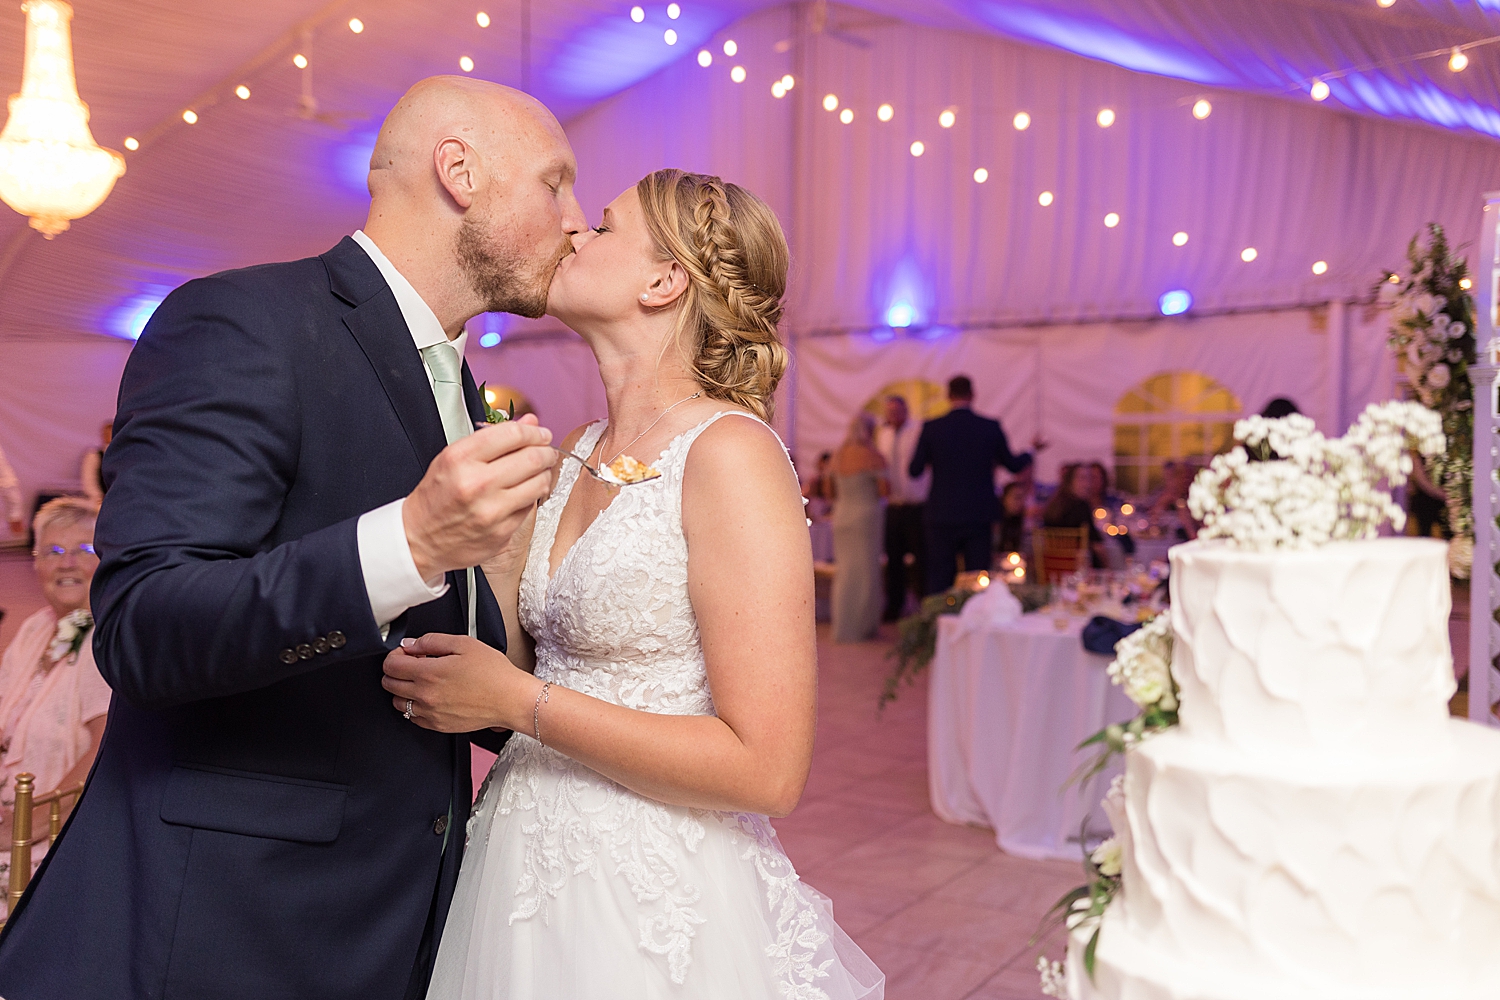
50, 167
1458, 62
1319, 90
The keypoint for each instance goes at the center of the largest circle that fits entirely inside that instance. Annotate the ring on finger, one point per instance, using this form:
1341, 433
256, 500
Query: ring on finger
407, 713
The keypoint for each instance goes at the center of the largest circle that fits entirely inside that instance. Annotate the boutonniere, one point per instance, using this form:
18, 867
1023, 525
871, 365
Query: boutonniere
492, 415
72, 629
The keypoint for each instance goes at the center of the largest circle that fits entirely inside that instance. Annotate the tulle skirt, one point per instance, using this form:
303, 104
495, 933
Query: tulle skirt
574, 887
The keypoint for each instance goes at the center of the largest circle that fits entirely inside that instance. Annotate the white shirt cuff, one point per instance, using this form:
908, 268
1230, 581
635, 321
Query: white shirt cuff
391, 580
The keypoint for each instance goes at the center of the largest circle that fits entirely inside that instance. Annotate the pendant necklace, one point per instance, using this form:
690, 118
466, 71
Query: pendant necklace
643, 433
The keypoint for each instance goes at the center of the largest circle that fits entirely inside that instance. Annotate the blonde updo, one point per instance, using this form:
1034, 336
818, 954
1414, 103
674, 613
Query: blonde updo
731, 246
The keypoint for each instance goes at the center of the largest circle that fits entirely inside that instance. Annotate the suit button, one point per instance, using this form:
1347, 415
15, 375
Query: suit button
304, 652
288, 656
321, 646
441, 826
336, 640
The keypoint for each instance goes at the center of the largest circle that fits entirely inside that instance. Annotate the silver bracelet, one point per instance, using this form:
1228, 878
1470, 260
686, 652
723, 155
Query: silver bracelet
536, 711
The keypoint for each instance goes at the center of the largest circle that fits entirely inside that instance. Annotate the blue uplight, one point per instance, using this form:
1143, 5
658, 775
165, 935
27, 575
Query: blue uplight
1175, 302
900, 315
351, 162
489, 340
131, 317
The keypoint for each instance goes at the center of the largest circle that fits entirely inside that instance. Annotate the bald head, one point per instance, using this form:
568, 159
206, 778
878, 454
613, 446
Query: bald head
471, 197
491, 118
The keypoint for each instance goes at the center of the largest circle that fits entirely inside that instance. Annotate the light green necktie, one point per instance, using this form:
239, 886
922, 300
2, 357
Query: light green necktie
448, 388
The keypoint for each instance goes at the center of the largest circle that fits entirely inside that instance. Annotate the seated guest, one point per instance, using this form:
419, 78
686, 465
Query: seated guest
1171, 504
1013, 515
1278, 408
53, 700
1069, 509
1092, 480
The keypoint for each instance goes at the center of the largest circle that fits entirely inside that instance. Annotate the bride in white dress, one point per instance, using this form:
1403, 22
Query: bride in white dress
620, 847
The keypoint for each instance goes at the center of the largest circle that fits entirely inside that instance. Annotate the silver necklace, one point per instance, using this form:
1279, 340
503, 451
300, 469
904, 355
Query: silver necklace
643, 433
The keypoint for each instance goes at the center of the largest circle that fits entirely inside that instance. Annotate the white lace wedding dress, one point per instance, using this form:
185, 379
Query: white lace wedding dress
575, 887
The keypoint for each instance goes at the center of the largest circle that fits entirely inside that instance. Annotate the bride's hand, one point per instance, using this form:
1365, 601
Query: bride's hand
459, 685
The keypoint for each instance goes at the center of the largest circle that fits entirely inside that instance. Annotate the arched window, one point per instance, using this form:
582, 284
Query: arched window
1173, 416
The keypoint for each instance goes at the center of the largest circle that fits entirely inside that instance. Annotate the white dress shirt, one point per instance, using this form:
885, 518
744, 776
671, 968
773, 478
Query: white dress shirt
896, 447
391, 579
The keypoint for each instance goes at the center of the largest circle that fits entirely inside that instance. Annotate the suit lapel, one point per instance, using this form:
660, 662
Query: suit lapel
379, 328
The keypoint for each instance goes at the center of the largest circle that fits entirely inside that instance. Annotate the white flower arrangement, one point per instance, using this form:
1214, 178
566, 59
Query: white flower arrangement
1143, 665
68, 639
1054, 978
1107, 857
1432, 337
1288, 486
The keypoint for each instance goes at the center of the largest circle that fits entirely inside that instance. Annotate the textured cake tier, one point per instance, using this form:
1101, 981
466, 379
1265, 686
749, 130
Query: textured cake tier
1342, 650
1372, 880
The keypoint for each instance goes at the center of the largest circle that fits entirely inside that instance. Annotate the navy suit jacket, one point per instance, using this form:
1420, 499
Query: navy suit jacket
260, 822
963, 449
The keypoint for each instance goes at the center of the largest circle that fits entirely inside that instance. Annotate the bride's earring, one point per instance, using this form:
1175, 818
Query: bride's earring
644, 296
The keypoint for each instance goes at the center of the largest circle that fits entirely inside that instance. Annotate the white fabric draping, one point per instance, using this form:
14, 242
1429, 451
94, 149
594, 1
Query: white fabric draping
1006, 708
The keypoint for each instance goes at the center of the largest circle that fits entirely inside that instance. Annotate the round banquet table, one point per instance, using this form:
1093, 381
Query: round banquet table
1006, 708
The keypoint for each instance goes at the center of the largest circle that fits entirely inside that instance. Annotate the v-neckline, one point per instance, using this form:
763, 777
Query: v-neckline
554, 571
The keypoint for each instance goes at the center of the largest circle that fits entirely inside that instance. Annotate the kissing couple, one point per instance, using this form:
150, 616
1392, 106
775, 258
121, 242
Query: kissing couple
320, 583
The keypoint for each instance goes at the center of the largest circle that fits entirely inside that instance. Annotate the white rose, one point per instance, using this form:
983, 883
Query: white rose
1106, 857
1439, 376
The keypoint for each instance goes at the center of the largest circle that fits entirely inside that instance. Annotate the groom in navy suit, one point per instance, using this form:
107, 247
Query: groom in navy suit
293, 488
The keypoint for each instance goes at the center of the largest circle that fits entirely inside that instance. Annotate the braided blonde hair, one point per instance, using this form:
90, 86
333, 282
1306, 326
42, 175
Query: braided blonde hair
731, 246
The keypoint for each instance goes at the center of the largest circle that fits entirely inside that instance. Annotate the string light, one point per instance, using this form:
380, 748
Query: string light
830, 102
1458, 62
730, 48
466, 64
1466, 283
1044, 199
1111, 220
1248, 254
482, 19
1319, 90
947, 118
670, 36
1022, 121
190, 116
242, 92
885, 112
1320, 267
1386, 3
1106, 117
674, 11
705, 58
1202, 109
846, 116
789, 81
981, 175
737, 74
132, 143
300, 61
1179, 239
917, 149
356, 25
637, 14
778, 89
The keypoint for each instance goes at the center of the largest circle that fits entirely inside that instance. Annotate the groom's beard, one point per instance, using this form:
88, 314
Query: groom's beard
504, 280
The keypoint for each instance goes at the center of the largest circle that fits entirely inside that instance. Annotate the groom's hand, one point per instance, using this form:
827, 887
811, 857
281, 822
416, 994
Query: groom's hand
476, 493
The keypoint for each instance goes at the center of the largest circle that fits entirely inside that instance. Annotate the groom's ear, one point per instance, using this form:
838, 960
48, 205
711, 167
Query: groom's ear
456, 166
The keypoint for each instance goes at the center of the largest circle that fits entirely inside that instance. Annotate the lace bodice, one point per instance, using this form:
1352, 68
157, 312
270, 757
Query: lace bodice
615, 621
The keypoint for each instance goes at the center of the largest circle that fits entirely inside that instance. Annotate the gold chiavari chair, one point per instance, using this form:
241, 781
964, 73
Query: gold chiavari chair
21, 838
1056, 552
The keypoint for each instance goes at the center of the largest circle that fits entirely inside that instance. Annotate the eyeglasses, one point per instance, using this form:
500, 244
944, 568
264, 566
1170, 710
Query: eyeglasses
57, 551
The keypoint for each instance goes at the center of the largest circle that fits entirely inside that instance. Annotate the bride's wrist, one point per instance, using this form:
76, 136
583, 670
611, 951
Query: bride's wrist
524, 705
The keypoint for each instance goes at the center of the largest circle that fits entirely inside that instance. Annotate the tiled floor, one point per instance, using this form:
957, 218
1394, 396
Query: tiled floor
939, 908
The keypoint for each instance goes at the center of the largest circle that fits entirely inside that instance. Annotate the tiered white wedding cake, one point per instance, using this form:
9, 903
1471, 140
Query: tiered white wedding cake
1316, 826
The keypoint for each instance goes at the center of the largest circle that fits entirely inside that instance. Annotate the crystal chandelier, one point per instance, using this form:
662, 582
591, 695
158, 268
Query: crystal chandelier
50, 167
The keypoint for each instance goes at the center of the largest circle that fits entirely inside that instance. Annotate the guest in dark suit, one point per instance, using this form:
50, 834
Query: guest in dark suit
284, 507
963, 449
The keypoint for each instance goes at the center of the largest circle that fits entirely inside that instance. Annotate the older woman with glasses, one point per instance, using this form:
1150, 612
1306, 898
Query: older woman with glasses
53, 700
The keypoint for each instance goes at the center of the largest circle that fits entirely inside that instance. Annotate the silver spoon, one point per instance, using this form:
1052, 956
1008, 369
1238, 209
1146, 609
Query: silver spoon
604, 476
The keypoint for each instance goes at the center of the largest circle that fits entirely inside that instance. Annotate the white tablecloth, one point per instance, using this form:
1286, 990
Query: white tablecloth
1007, 706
